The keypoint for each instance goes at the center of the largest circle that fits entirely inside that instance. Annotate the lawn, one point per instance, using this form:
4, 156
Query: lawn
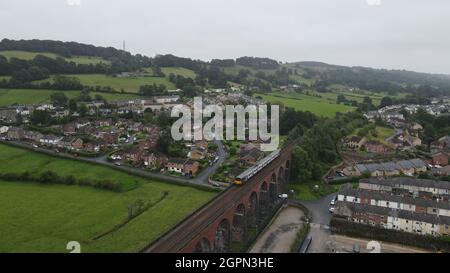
130, 84
44, 218
25, 55
302, 102
36, 96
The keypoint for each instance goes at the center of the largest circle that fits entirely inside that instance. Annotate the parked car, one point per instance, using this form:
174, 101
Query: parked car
333, 201
331, 210
117, 164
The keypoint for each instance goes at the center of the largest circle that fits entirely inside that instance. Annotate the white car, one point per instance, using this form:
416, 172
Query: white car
333, 201
331, 210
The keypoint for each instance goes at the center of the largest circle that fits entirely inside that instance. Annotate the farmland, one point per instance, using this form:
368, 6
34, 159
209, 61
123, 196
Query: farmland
317, 105
36, 96
128, 84
43, 218
25, 55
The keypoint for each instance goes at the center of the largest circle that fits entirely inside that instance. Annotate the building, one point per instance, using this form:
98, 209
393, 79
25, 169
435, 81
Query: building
197, 153
407, 167
374, 146
183, 166
50, 140
166, 99
439, 158
354, 143
8, 115
416, 187
15, 133
155, 160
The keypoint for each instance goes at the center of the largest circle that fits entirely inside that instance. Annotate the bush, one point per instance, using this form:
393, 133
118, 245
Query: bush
49, 177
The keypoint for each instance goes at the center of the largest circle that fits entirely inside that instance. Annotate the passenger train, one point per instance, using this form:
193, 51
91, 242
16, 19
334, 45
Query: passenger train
249, 173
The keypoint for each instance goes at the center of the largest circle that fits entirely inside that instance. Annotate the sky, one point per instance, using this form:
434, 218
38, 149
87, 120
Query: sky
392, 34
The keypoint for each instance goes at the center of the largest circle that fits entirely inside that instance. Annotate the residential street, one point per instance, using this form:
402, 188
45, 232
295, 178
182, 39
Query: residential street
201, 179
319, 231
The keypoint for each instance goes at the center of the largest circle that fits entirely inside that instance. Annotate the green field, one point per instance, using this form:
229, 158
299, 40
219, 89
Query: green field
187, 73
36, 96
43, 218
301, 102
381, 134
25, 55
129, 84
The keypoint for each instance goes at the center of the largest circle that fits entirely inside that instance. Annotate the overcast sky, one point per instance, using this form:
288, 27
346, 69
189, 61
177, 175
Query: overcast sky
398, 34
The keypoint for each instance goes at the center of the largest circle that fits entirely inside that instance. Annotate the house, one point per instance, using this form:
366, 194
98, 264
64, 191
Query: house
166, 99
442, 143
374, 146
148, 144
32, 136
50, 140
104, 123
250, 157
110, 138
183, 166
70, 129
197, 153
250, 146
155, 160
15, 133
8, 115
134, 155
439, 158
92, 147
355, 142
71, 143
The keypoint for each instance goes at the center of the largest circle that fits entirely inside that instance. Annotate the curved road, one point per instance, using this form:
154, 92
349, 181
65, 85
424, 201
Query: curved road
200, 180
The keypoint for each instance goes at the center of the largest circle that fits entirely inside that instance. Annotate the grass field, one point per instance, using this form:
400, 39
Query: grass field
36, 96
25, 55
127, 84
381, 134
187, 73
44, 218
301, 102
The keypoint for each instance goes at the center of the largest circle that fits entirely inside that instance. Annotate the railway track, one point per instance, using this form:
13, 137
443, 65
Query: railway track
178, 237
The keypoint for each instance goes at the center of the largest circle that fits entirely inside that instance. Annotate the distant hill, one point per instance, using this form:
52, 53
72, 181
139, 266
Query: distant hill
30, 60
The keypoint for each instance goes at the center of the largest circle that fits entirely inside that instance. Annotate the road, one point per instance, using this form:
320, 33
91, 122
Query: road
320, 225
210, 170
200, 180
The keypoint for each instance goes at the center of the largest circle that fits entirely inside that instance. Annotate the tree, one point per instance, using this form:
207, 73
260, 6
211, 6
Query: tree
59, 99
40, 117
301, 165
386, 101
83, 110
341, 99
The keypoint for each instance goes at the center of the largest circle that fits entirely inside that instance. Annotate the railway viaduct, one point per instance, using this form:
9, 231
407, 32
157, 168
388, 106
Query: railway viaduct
227, 218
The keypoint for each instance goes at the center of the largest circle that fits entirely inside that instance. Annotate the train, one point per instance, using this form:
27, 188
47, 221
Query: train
250, 172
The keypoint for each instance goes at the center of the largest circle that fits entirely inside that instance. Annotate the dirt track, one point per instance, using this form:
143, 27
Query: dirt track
281, 234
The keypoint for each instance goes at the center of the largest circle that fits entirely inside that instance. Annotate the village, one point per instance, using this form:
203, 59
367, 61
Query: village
132, 133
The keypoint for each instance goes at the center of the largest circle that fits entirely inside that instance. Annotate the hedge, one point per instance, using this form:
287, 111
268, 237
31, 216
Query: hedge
49, 177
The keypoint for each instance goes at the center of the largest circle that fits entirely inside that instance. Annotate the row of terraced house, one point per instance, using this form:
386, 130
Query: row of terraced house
404, 204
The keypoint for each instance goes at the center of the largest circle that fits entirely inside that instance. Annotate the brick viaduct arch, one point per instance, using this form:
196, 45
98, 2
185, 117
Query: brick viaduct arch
227, 218
232, 225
